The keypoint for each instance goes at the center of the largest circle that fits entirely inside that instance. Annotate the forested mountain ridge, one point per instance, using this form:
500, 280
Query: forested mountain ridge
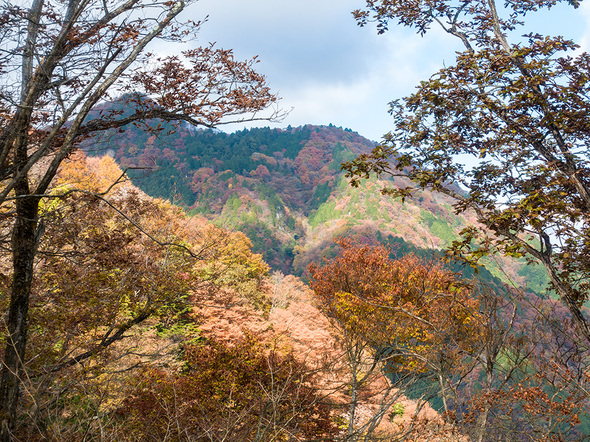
295, 161
163, 311
129, 317
284, 189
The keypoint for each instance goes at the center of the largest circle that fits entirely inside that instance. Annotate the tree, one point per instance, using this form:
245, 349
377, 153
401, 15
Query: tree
59, 60
115, 282
243, 392
408, 319
517, 108
495, 367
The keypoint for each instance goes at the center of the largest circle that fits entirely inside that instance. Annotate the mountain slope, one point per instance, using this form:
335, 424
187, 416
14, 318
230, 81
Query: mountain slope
285, 190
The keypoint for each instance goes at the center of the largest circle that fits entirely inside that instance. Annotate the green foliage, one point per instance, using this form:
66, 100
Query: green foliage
277, 253
320, 196
164, 181
340, 155
439, 227
226, 175
325, 213
198, 149
185, 331
291, 223
216, 174
397, 410
275, 203
372, 208
536, 277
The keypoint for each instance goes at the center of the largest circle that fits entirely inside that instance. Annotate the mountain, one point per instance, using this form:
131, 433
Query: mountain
284, 189
159, 311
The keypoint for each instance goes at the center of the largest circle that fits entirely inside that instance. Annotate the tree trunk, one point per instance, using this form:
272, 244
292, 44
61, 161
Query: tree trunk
23, 253
353, 400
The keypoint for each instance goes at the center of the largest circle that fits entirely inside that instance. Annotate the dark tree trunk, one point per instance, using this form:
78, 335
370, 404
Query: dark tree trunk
23, 254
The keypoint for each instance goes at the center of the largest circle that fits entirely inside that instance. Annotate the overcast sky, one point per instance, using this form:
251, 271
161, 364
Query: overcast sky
328, 69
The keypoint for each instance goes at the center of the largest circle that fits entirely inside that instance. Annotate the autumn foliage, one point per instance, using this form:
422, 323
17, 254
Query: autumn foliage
135, 318
508, 122
110, 268
61, 61
408, 308
243, 392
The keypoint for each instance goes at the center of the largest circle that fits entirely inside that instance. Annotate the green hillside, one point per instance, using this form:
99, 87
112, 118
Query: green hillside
284, 189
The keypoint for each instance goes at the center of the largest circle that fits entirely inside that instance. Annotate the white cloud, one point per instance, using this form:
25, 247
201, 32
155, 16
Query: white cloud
332, 71
320, 61
584, 40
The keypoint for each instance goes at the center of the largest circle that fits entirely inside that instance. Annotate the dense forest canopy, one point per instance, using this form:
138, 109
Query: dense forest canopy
151, 263
286, 190
60, 60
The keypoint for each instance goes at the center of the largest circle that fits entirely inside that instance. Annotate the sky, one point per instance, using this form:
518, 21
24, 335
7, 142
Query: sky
327, 69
